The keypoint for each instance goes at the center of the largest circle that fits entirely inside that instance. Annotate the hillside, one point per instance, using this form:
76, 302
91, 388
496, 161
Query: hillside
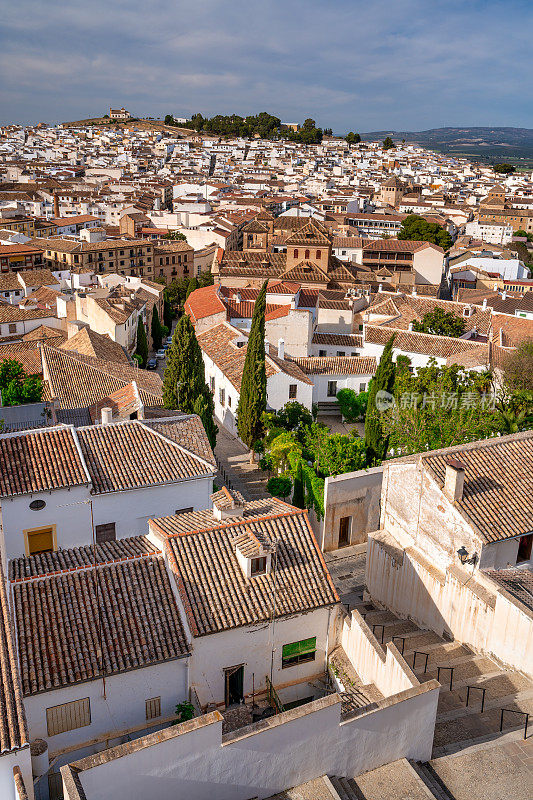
511, 144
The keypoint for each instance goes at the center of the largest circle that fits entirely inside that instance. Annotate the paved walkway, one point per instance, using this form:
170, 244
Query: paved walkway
234, 465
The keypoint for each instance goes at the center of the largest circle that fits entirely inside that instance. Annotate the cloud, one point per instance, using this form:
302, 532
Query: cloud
351, 65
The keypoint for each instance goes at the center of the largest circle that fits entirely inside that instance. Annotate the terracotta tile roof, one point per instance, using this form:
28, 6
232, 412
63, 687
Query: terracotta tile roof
76, 557
276, 312
517, 581
187, 430
509, 331
337, 365
37, 277
338, 339
89, 343
40, 461
203, 520
78, 381
29, 357
216, 594
10, 313
45, 332
424, 343
122, 403
398, 246
13, 728
204, 302
129, 454
217, 344
59, 634
498, 484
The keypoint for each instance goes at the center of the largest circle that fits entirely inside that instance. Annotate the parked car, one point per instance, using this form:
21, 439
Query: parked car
151, 363
169, 340
161, 353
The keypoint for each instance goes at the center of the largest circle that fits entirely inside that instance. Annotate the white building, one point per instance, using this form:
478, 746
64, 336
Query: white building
492, 232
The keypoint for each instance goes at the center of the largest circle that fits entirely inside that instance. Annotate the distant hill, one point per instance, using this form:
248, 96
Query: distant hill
510, 144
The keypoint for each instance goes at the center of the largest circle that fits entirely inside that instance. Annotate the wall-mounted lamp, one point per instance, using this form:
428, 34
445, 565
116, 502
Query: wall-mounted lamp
463, 556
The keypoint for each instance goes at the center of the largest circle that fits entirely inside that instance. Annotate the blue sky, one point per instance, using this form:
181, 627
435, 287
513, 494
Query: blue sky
351, 65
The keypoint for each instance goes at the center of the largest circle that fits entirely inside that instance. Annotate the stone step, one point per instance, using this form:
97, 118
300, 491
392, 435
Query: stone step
432, 781
345, 788
465, 668
475, 725
395, 781
519, 700
439, 653
423, 640
359, 696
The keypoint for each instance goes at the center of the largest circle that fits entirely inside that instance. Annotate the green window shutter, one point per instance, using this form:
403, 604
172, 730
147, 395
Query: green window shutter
299, 648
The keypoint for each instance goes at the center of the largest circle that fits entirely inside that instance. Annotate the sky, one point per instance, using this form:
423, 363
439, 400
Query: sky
348, 64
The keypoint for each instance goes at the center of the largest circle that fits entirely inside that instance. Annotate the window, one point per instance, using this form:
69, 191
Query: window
153, 707
332, 388
212, 383
341, 352
307, 255
229, 401
39, 540
298, 652
68, 716
259, 566
525, 545
322, 353
293, 388
318, 254
222, 396
295, 254
362, 387
105, 533
184, 510
12, 327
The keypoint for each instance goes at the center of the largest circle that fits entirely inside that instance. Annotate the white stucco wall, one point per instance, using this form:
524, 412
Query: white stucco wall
122, 708
18, 758
252, 646
70, 511
359, 383
259, 761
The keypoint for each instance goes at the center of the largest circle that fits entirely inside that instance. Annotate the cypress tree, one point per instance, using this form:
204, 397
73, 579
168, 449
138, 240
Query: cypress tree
142, 343
157, 334
376, 443
193, 285
253, 394
184, 377
205, 408
167, 314
298, 496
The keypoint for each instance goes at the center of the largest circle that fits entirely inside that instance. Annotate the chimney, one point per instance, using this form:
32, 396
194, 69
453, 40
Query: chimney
56, 206
380, 288
410, 326
484, 306
107, 415
281, 349
267, 346
454, 480
504, 295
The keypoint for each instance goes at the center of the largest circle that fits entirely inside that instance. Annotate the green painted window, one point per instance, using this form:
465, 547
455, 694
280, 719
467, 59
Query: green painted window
298, 652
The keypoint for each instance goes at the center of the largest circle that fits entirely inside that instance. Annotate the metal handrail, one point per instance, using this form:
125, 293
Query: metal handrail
481, 689
420, 653
378, 625
403, 642
451, 674
515, 711
273, 697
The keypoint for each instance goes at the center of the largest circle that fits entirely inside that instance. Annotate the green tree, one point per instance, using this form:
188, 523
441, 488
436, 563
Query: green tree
253, 393
388, 144
175, 236
10, 370
441, 323
417, 229
352, 405
193, 285
204, 407
142, 343
168, 316
517, 367
169, 119
298, 495
353, 138
176, 293
376, 441
504, 169
205, 278
16, 387
156, 331
279, 486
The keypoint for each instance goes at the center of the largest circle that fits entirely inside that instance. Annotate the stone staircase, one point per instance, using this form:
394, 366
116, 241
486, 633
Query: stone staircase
433, 657
357, 694
401, 780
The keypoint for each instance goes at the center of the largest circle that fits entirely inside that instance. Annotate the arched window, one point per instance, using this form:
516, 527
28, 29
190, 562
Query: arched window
295, 254
318, 254
307, 255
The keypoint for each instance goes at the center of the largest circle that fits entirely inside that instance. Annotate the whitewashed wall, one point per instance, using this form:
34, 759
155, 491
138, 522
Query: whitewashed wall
193, 760
19, 758
252, 645
121, 709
